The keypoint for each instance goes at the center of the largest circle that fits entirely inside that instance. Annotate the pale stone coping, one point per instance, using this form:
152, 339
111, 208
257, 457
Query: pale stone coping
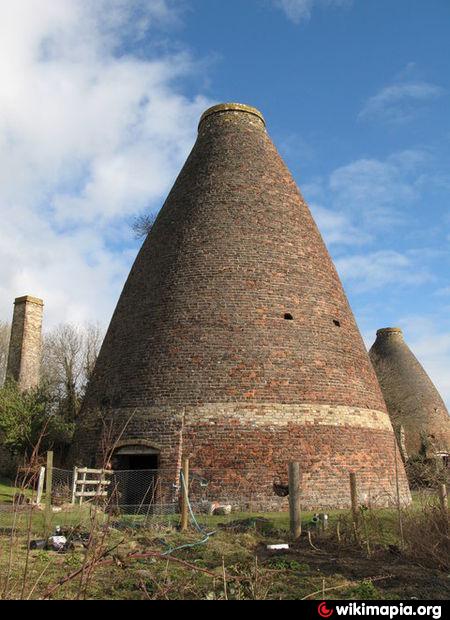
386, 331
29, 299
272, 415
232, 107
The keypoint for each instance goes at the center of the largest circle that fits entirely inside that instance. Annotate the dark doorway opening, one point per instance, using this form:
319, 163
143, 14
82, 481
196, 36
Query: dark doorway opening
135, 476
135, 461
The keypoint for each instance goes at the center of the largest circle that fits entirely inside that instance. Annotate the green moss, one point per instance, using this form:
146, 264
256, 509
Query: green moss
364, 590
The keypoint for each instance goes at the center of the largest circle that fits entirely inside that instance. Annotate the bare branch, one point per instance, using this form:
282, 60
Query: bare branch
142, 225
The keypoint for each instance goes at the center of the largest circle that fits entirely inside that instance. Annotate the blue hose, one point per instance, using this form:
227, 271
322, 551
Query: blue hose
197, 525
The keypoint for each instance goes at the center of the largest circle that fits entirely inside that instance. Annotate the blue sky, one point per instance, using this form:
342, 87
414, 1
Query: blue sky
100, 106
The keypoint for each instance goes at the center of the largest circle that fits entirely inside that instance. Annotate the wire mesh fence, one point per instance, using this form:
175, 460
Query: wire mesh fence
142, 493
216, 495
155, 495
61, 486
212, 491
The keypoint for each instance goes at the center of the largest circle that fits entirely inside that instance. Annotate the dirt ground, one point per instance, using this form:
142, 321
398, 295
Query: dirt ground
392, 574
239, 559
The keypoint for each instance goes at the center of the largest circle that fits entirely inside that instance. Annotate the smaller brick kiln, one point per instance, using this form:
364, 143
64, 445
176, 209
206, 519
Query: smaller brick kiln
413, 402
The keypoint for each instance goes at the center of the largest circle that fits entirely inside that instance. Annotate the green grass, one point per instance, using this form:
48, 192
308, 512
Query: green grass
24, 518
8, 490
385, 519
237, 539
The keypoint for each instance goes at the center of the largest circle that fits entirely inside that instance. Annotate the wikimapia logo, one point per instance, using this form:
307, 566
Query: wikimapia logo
390, 611
323, 610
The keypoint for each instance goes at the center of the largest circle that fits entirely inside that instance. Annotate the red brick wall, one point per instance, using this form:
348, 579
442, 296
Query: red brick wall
326, 455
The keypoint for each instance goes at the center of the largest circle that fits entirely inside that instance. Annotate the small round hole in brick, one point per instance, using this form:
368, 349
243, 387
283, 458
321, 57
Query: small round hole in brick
288, 317
336, 322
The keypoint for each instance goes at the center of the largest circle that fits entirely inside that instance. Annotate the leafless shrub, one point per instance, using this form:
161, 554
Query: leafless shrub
426, 531
424, 539
425, 472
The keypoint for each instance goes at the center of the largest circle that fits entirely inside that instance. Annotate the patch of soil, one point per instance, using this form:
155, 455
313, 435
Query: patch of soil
259, 524
404, 579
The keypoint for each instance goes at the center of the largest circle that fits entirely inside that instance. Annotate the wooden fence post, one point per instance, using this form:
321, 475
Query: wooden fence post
443, 497
48, 492
354, 497
444, 507
185, 495
83, 485
74, 484
295, 515
40, 485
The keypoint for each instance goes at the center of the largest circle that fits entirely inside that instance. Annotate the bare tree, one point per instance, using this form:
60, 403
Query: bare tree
92, 341
142, 225
69, 356
5, 330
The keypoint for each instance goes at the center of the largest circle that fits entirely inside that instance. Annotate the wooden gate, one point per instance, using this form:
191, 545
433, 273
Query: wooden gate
89, 483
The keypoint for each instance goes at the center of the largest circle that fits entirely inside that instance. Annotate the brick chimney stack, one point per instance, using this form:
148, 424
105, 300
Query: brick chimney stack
24, 358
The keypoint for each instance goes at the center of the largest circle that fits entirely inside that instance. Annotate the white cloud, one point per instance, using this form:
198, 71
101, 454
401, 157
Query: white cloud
296, 10
89, 135
398, 103
337, 228
299, 10
379, 196
361, 199
377, 191
373, 270
443, 292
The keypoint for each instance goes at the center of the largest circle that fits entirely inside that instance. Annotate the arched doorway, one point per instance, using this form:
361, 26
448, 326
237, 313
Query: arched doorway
135, 457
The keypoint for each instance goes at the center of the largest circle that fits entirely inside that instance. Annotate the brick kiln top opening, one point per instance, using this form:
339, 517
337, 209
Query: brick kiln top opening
231, 107
385, 332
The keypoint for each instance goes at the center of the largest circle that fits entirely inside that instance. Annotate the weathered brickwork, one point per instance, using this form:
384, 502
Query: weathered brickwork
327, 441
24, 358
156, 427
412, 400
234, 328
242, 449
272, 416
